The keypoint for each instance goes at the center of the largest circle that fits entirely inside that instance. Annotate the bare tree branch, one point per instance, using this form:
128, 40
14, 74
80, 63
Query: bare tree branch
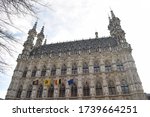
9, 9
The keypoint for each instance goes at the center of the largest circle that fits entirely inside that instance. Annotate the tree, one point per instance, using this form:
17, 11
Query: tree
9, 9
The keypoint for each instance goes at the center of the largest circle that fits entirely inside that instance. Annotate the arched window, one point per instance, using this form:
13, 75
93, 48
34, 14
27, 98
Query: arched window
74, 69
19, 92
120, 66
51, 91
29, 91
108, 67
63, 70
86, 89
74, 90
96, 67
111, 87
62, 90
85, 68
43, 72
34, 72
99, 90
39, 92
124, 87
53, 71
25, 72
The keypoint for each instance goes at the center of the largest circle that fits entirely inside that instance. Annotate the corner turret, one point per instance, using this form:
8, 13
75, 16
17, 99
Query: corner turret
40, 38
115, 28
28, 45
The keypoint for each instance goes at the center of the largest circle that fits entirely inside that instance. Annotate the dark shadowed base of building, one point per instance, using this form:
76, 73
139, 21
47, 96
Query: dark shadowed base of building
148, 96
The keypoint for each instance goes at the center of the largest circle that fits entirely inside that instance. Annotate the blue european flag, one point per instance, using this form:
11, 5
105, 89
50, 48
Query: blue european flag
70, 82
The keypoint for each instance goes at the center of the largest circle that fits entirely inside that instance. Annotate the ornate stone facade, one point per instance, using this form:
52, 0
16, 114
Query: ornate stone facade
97, 68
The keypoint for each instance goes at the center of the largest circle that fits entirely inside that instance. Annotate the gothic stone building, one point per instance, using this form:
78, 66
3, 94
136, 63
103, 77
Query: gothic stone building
97, 68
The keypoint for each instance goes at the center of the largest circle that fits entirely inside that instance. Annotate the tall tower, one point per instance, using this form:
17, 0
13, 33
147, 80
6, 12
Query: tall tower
21, 64
40, 38
115, 28
118, 33
28, 45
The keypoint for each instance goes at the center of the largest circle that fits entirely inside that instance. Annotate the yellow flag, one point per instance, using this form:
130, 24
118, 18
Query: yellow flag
47, 82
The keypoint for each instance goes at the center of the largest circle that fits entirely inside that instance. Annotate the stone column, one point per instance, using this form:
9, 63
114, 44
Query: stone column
102, 65
92, 87
45, 90
102, 68
91, 70
47, 72
21, 66
80, 67
49, 67
39, 67
114, 67
30, 68
80, 87
56, 91
34, 92
69, 66
58, 70
118, 87
25, 88
38, 73
105, 86
68, 91
28, 74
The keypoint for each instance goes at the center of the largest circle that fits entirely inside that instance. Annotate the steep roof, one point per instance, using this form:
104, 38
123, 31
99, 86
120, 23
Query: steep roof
72, 46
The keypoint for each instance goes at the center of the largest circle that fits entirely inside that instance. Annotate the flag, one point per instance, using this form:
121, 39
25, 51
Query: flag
35, 82
55, 82
70, 81
59, 81
47, 82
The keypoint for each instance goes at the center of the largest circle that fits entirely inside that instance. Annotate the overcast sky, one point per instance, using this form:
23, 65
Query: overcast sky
80, 19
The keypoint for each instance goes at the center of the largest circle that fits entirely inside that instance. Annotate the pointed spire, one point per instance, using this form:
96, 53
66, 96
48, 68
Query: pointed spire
112, 14
34, 27
42, 30
32, 32
40, 38
41, 34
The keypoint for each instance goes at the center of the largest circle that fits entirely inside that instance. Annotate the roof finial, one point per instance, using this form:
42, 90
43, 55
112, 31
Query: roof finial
96, 34
34, 27
42, 30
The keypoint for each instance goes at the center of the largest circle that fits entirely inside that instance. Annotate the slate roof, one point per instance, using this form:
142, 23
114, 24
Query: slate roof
72, 46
